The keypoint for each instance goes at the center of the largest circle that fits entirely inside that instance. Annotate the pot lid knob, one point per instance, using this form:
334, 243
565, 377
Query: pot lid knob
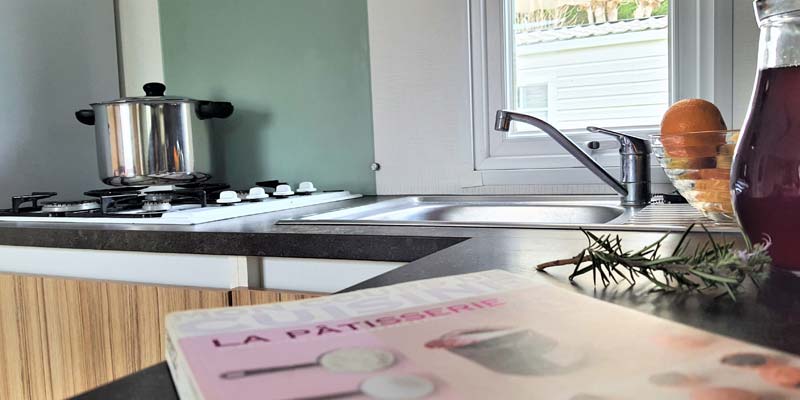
154, 89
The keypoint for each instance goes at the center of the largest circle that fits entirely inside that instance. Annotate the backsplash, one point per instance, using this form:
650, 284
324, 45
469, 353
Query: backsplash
57, 57
298, 74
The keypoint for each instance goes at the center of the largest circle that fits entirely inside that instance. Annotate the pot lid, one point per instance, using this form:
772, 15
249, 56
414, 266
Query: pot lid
154, 94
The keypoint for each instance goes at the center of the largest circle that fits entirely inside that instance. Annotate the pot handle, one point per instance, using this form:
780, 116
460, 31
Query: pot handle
213, 109
85, 116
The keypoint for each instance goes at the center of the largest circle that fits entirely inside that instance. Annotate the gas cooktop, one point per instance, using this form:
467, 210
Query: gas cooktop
175, 205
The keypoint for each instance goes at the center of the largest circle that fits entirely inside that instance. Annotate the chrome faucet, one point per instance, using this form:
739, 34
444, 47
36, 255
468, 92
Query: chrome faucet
634, 185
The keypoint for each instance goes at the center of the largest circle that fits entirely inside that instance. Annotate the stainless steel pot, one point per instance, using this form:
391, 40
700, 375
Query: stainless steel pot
155, 139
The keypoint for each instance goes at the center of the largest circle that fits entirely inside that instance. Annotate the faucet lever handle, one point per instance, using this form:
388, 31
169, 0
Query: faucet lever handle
629, 144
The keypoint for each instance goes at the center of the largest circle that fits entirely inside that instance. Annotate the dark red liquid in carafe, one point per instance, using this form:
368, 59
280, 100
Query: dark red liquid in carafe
766, 169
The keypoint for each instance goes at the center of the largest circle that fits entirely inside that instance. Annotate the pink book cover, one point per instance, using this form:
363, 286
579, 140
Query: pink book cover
490, 335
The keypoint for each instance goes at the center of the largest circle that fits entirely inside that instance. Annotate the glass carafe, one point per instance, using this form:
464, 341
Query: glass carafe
765, 176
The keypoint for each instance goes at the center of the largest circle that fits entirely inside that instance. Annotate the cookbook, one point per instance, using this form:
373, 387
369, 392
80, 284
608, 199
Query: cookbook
484, 335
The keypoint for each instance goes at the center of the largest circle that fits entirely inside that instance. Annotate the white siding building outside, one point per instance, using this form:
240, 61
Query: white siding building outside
612, 74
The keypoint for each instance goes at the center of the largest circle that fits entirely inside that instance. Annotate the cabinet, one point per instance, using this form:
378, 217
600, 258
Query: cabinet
249, 297
60, 337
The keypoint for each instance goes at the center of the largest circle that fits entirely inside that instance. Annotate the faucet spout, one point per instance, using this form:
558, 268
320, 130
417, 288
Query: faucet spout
503, 124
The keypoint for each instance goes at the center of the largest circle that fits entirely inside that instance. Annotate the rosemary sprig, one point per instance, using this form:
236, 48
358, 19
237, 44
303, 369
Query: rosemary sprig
710, 266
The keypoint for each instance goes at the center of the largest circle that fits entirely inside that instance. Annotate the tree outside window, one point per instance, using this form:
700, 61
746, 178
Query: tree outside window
551, 14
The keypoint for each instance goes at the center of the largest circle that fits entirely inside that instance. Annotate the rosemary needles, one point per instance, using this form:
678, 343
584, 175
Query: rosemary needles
710, 266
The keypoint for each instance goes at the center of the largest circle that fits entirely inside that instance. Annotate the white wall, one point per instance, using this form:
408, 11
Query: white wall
55, 57
140, 56
419, 56
421, 97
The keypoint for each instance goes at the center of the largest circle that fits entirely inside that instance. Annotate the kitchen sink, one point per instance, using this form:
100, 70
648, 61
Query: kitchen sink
480, 211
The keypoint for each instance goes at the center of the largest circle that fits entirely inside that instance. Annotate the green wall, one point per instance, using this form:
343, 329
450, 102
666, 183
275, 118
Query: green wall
297, 72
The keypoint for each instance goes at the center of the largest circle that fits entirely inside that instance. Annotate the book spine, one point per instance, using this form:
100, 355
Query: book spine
180, 371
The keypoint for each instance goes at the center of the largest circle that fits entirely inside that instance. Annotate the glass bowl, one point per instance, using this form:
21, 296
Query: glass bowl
699, 165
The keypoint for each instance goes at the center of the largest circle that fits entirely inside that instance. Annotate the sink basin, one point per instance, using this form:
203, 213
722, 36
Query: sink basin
501, 211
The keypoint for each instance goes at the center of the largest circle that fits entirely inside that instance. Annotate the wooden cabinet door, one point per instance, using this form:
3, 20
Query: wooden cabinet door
60, 337
250, 297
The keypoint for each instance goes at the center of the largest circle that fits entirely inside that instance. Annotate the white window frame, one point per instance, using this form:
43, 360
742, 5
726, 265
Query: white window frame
700, 65
549, 88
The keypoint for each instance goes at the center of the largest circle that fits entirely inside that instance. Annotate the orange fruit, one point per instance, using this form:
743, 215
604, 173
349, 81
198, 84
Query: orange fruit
724, 162
727, 149
693, 152
723, 393
717, 185
713, 197
781, 375
690, 163
691, 175
724, 207
692, 115
699, 139
715, 173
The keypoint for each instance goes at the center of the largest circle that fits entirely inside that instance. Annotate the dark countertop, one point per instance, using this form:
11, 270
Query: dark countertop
249, 236
257, 235
769, 316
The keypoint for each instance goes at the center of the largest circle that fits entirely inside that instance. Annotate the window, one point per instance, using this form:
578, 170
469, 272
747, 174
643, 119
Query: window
614, 74
577, 63
534, 100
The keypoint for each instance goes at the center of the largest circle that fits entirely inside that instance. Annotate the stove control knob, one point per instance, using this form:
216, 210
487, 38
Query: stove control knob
306, 188
283, 191
228, 197
257, 193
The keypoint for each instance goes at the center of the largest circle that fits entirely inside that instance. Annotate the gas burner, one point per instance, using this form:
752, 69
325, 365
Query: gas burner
70, 206
270, 184
125, 181
33, 198
179, 195
161, 196
207, 187
114, 191
156, 206
170, 205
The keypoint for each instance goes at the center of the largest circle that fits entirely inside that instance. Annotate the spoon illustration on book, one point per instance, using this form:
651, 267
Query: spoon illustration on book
345, 360
386, 387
